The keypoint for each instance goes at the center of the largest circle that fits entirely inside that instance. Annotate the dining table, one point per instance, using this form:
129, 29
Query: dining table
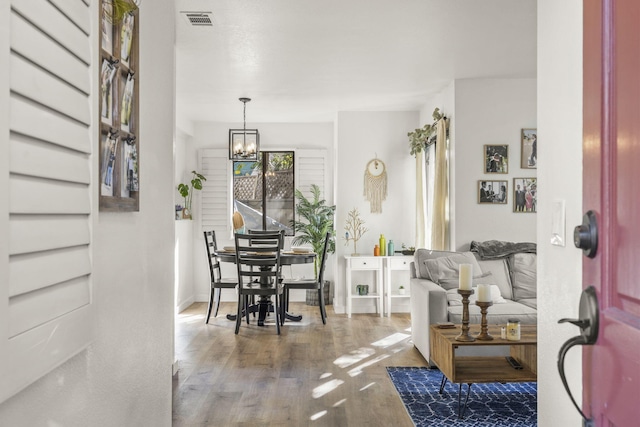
265, 305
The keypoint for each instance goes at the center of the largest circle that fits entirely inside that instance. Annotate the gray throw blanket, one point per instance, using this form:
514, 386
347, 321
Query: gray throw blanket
493, 249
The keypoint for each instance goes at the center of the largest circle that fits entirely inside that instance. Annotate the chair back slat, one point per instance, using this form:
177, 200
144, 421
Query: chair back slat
323, 261
211, 244
258, 258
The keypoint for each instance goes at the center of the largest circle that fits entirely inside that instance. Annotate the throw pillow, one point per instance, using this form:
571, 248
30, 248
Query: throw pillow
454, 298
482, 279
524, 276
447, 268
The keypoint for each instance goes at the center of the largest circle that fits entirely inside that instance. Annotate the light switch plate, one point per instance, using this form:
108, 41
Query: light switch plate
558, 223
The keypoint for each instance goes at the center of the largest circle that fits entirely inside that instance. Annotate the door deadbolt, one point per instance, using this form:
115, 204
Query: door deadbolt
585, 236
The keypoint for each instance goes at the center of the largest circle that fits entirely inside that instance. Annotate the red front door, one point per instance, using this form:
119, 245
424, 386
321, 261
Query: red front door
611, 187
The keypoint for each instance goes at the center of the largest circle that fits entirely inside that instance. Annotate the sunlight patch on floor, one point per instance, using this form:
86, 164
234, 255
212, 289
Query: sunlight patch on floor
318, 415
391, 340
189, 318
325, 388
325, 375
339, 402
353, 357
358, 369
367, 386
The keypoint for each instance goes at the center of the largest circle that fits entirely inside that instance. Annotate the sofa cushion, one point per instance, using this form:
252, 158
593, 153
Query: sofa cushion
498, 314
500, 271
454, 298
421, 255
447, 268
454, 282
523, 271
529, 302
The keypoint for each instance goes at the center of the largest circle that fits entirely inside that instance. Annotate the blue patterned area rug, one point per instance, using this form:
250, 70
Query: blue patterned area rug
494, 404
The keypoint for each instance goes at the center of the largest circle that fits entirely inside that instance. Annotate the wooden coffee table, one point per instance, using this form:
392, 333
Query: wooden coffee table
483, 369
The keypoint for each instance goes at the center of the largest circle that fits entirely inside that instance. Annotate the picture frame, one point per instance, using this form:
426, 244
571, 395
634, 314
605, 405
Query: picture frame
529, 149
525, 195
492, 192
496, 158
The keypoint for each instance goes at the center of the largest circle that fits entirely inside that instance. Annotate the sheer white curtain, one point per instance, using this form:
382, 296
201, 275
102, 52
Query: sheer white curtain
439, 214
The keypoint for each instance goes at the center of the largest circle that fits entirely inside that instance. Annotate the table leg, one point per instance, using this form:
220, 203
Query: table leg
443, 382
466, 399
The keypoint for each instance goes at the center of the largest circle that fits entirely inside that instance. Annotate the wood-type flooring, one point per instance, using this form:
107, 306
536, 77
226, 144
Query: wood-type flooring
310, 375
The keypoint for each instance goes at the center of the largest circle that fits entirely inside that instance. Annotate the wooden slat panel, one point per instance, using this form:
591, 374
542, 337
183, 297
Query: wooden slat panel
35, 308
77, 11
34, 233
37, 196
214, 208
45, 160
44, 348
51, 21
39, 86
38, 270
31, 43
33, 120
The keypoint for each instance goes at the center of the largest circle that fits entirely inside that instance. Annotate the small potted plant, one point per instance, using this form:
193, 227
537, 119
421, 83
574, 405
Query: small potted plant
408, 250
401, 290
196, 184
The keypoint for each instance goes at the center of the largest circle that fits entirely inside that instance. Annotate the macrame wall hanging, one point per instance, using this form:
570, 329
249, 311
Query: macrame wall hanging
375, 184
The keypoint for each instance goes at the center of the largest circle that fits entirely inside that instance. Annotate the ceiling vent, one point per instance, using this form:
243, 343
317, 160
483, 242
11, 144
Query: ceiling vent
198, 19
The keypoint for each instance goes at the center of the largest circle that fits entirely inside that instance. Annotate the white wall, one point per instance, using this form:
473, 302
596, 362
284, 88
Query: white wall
490, 111
360, 137
124, 377
183, 283
273, 136
559, 178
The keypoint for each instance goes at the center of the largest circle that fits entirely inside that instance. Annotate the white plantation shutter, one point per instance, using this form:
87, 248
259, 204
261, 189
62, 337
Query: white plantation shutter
45, 265
311, 168
217, 199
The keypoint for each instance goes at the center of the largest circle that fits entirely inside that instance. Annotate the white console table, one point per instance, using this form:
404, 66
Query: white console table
391, 264
382, 266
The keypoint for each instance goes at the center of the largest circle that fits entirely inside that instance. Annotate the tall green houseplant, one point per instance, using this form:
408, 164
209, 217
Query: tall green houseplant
315, 219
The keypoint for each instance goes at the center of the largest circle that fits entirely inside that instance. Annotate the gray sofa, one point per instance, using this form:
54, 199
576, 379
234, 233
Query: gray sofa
509, 267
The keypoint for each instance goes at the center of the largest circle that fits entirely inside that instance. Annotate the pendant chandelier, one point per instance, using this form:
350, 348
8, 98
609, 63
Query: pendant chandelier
244, 143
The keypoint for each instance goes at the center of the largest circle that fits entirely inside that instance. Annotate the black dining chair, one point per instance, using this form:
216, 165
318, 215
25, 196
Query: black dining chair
259, 273
215, 274
317, 283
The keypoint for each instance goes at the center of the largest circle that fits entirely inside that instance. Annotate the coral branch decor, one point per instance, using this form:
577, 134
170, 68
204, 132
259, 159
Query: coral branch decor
354, 229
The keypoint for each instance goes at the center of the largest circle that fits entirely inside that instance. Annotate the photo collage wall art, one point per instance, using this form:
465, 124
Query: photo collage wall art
496, 161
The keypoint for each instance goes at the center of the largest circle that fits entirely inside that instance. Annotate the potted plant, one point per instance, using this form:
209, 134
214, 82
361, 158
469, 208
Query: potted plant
187, 194
115, 10
401, 290
315, 219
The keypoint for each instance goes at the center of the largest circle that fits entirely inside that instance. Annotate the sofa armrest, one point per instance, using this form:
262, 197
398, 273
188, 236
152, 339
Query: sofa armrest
428, 306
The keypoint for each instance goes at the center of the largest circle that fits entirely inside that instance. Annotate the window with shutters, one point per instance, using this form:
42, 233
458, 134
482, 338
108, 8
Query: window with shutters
45, 294
217, 203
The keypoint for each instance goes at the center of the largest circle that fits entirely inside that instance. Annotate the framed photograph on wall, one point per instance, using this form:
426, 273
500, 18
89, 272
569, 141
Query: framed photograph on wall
525, 195
492, 192
496, 158
529, 141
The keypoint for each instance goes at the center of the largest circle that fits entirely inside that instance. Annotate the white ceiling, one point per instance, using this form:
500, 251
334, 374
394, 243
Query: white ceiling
304, 60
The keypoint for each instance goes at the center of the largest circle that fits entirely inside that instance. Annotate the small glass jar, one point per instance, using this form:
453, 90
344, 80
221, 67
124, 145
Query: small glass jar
513, 330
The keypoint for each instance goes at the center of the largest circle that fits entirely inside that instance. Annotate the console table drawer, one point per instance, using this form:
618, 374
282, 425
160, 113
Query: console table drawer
399, 263
366, 263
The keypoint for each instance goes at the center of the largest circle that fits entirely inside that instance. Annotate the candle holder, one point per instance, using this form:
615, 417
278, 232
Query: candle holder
484, 335
464, 335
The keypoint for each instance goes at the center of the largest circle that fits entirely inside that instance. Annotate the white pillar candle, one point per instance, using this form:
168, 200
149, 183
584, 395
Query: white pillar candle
466, 271
484, 293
